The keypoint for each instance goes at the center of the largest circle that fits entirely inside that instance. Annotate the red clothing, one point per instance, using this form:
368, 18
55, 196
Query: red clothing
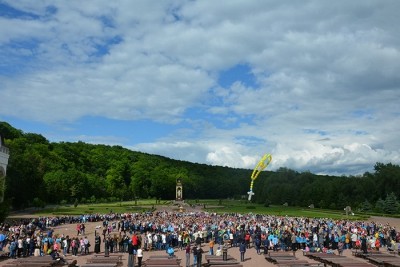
247, 237
134, 240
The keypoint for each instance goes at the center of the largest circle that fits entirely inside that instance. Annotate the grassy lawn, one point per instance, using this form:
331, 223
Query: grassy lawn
102, 208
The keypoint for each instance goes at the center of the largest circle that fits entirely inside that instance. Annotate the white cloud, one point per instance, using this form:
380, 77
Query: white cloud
324, 71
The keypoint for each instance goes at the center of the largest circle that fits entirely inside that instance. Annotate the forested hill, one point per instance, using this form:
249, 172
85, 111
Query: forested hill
43, 171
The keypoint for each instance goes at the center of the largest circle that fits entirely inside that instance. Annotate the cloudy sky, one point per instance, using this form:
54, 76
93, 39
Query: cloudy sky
314, 83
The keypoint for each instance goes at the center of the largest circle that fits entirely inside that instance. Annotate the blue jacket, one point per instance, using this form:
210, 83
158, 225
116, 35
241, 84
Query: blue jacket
242, 247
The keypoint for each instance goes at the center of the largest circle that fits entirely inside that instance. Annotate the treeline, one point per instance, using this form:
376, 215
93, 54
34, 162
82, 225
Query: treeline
372, 192
42, 172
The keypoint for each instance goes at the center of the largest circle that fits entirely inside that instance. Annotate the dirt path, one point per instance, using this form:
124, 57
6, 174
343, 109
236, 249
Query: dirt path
395, 222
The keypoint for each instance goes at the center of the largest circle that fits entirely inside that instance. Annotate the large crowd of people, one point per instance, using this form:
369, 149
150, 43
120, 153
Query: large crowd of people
163, 230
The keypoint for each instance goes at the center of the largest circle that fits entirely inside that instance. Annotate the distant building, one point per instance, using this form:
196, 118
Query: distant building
4, 155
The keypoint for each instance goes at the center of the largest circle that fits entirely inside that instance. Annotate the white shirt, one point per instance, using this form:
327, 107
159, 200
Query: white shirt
164, 238
218, 252
139, 253
354, 237
20, 243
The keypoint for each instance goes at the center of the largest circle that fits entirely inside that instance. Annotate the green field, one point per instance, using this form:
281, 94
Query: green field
102, 208
219, 206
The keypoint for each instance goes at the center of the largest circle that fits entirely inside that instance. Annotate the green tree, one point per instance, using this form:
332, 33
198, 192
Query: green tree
4, 210
366, 206
27, 165
380, 205
67, 171
57, 185
9, 132
391, 205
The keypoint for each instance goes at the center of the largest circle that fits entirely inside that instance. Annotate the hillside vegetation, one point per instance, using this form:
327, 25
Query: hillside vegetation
42, 172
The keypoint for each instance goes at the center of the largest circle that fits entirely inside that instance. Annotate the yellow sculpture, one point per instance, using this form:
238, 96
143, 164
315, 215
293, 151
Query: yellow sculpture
261, 165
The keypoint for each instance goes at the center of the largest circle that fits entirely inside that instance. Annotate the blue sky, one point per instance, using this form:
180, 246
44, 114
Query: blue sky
313, 83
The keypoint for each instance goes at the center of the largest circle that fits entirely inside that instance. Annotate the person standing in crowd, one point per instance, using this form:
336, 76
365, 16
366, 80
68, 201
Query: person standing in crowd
257, 244
82, 245
75, 246
340, 247
247, 239
37, 249
211, 245
87, 245
68, 243
377, 244
139, 255
180, 241
82, 229
134, 241
20, 245
131, 255
187, 251
294, 243
266, 245
198, 240
78, 229
194, 251
97, 242
242, 250
199, 256
149, 241
231, 238
111, 243
13, 249
65, 246
364, 244
106, 245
